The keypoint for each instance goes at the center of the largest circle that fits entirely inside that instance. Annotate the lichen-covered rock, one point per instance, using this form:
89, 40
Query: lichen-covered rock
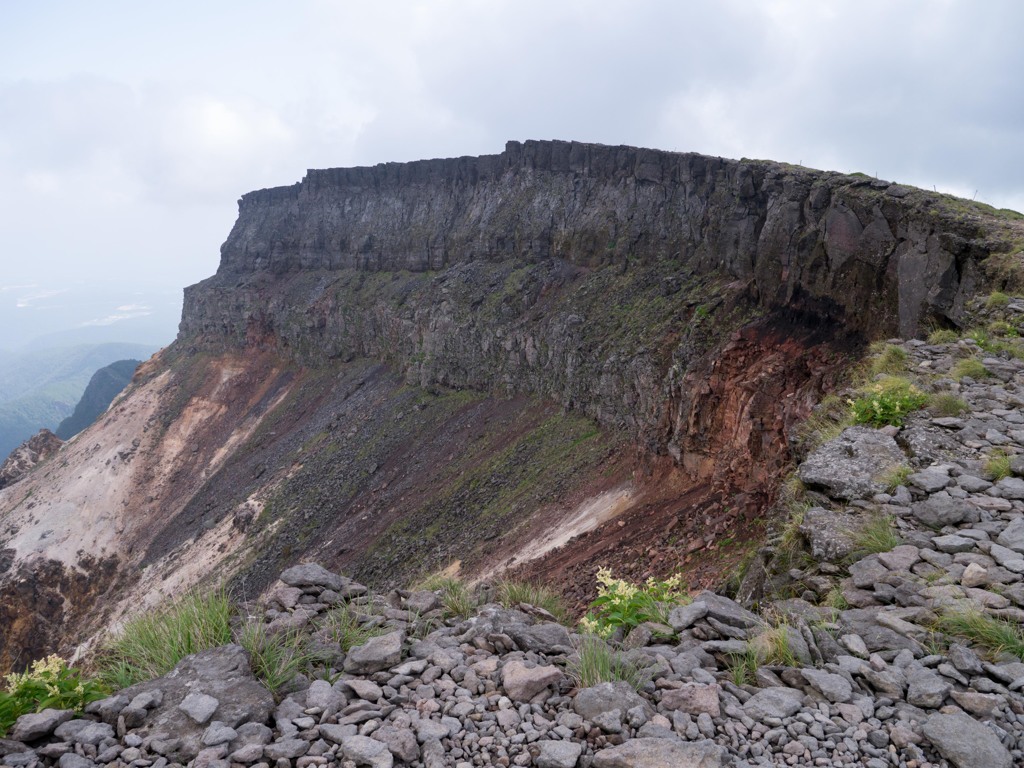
852, 465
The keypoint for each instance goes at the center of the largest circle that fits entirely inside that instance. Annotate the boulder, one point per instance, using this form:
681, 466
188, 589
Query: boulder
774, 702
36, 725
557, 754
850, 466
523, 682
376, 654
222, 674
663, 753
965, 742
604, 697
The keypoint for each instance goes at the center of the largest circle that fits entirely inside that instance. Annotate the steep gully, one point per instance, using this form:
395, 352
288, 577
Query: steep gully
401, 366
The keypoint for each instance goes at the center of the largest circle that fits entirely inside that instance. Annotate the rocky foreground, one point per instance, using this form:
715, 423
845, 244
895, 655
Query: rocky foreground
870, 677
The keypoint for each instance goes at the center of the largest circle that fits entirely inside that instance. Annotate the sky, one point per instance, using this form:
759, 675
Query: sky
129, 130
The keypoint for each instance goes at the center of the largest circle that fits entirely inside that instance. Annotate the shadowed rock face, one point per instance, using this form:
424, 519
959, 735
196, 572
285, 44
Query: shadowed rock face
787, 231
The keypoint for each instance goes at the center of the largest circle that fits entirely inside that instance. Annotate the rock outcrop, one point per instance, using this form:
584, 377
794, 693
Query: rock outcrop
32, 452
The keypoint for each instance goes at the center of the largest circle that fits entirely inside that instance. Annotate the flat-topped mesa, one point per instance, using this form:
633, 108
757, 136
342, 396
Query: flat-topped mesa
906, 256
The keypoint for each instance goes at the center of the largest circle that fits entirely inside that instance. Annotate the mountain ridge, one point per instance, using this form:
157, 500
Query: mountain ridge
650, 324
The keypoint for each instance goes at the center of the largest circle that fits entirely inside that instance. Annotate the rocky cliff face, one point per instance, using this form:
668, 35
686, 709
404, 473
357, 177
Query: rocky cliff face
26, 456
402, 366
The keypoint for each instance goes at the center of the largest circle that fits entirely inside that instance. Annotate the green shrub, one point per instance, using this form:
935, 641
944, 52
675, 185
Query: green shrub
886, 402
943, 336
152, 644
996, 635
512, 593
621, 604
892, 360
50, 683
948, 404
970, 368
597, 662
996, 300
276, 658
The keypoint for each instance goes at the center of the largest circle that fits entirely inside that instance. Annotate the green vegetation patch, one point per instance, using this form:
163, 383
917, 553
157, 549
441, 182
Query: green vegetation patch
887, 402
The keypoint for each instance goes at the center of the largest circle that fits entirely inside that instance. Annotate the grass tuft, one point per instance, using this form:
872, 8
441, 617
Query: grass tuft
886, 402
996, 300
970, 368
891, 361
895, 477
877, 533
456, 596
343, 625
276, 658
512, 593
943, 336
151, 645
743, 667
997, 466
994, 634
598, 662
947, 404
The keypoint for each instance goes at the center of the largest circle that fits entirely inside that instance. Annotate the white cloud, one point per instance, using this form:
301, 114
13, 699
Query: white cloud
28, 299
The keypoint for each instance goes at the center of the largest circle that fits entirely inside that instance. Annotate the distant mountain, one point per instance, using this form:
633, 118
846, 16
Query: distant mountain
106, 384
40, 388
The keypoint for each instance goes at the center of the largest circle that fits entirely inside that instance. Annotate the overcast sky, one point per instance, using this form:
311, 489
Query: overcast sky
128, 130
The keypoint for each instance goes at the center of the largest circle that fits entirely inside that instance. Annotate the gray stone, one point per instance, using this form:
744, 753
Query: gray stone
926, 689
867, 572
952, 544
1012, 536
336, 733
218, 733
846, 467
900, 558
663, 753
610, 721
973, 484
286, 749
1008, 558
377, 654
604, 697
728, 611
685, 616
422, 601
545, 637
930, 480
71, 760
829, 533
557, 754
84, 731
313, 575
1011, 488
974, 575
199, 707
523, 682
939, 511
401, 741
965, 742
36, 725
774, 702
835, 688
693, 699
366, 751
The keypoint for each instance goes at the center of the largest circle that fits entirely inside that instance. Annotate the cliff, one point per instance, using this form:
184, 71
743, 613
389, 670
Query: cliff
475, 360
106, 384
